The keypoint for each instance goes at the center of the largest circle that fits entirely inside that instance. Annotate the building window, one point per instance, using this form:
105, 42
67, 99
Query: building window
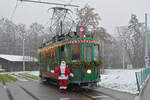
0, 66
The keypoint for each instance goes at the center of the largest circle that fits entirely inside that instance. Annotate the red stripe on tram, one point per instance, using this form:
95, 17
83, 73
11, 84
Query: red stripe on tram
50, 75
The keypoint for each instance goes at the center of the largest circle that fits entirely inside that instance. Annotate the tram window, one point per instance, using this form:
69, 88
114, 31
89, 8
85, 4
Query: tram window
62, 52
96, 52
76, 51
52, 55
46, 57
49, 56
55, 54
67, 53
43, 58
88, 53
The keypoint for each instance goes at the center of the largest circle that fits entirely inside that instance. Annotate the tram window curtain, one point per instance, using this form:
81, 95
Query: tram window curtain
76, 52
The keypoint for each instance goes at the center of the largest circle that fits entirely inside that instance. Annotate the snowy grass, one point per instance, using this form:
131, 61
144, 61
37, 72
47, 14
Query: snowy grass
23, 76
119, 79
35, 73
29, 76
7, 78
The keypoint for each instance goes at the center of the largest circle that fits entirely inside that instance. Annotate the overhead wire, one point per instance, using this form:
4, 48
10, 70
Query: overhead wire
70, 2
14, 10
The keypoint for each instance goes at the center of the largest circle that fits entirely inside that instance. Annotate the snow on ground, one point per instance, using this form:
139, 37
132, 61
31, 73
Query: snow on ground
119, 79
20, 77
35, 73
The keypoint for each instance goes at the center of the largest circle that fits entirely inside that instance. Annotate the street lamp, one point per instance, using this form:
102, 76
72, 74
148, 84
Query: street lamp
23, 54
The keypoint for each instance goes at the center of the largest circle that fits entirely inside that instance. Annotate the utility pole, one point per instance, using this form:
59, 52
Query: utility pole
146, 44
103, 55
23, 53
123, 58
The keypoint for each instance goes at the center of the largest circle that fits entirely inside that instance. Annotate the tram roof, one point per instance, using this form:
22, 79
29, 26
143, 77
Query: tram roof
69, 41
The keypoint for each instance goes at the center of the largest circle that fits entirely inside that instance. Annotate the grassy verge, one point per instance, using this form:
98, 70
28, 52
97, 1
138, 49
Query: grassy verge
0, 80
7, 78
29, 76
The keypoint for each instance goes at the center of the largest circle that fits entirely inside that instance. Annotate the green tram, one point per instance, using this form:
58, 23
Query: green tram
82, 55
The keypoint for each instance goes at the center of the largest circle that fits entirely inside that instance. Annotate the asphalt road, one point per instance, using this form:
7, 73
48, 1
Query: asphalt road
145, 93
116, 94
36, 90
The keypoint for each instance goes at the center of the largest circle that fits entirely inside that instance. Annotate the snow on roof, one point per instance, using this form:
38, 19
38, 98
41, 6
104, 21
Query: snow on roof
2, 70
18, 58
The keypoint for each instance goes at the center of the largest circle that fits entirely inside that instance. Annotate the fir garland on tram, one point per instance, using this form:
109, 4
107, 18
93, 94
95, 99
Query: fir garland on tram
87, 65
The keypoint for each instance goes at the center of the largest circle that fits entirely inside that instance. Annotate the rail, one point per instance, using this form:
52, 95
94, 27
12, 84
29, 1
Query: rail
141, 77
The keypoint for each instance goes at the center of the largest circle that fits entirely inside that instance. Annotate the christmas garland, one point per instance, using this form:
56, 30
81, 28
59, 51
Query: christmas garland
87, 65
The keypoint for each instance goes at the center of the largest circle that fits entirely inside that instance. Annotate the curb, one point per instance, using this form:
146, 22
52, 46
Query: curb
120, 91
144, 86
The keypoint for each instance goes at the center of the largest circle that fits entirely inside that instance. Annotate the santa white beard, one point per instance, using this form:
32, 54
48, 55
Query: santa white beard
62, 68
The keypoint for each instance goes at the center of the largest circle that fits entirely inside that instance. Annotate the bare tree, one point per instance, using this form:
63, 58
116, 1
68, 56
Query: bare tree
87, 17
131, 38
8, 36
35, 32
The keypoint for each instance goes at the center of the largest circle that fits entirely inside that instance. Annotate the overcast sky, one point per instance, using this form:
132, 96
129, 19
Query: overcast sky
112, 12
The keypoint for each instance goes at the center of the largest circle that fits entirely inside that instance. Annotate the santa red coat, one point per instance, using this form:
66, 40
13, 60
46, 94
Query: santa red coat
63, 73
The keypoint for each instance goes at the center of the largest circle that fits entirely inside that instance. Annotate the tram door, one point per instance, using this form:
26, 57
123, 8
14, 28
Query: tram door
75, 58
88, 57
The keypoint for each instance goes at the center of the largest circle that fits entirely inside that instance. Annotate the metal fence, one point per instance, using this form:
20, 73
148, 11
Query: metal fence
141, 77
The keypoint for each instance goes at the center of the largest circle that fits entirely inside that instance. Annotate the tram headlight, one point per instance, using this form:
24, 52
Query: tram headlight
89, 71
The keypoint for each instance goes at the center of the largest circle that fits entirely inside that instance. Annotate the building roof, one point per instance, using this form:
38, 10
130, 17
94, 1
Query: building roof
18, 58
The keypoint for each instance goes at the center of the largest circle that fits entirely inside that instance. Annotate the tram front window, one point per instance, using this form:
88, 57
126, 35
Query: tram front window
96, 52
76, 51
88, 53
62, 53
67, 53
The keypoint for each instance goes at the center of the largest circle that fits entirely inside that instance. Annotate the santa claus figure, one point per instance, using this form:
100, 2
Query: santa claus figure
64, 74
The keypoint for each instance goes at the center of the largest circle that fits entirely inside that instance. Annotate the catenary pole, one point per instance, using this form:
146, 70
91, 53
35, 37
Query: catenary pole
146, 44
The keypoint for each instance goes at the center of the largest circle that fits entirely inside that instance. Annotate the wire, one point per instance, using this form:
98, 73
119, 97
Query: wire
14, 10
70, 1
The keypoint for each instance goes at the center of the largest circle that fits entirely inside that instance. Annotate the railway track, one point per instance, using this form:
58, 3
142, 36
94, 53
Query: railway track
30, 93
90, 94
33, 90
11, 96
7, 90
94, 95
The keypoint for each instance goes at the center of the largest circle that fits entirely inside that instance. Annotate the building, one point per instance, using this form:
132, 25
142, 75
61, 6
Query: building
10, 63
